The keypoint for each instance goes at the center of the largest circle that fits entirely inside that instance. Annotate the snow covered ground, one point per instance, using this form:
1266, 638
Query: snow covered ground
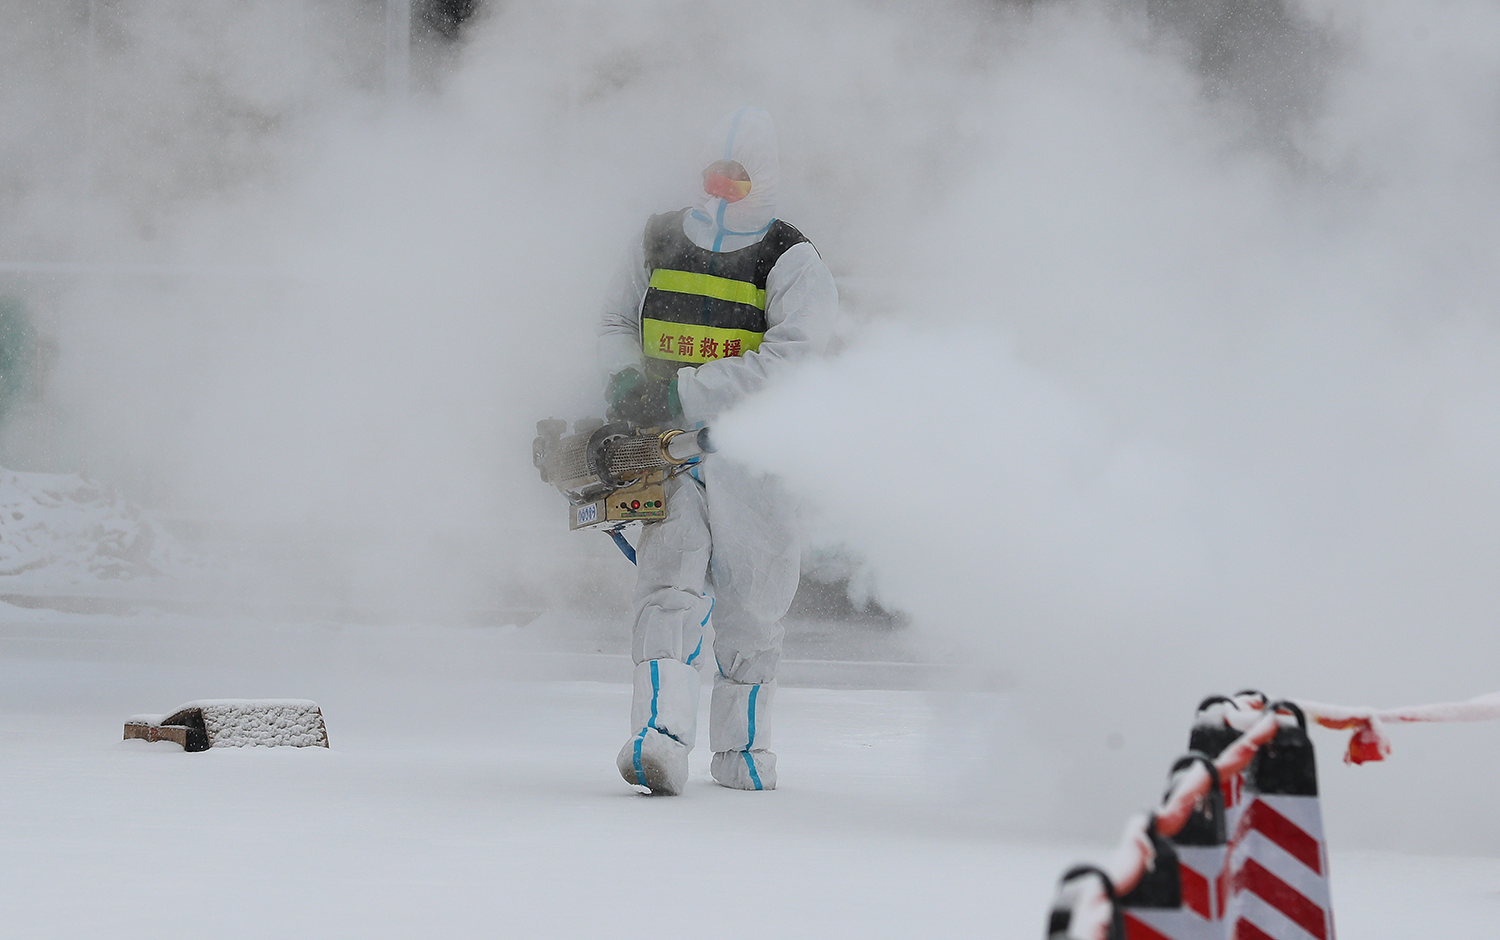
60, 530
1202, 327
470, 790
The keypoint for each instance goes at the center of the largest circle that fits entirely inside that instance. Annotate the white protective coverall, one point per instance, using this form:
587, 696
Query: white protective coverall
728, 545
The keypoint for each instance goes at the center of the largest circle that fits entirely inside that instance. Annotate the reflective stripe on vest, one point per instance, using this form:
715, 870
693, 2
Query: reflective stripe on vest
707, 285
688, 342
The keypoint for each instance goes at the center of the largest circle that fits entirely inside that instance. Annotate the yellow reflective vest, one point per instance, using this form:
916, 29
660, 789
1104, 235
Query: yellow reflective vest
704, 305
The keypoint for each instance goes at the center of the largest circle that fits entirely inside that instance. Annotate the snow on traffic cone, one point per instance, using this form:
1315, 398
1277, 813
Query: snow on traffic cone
1201, 847
1206, 827
1152, 910
1214, 729
1211, 733
1277, 868
1161, 887
1187, 872
1070, 890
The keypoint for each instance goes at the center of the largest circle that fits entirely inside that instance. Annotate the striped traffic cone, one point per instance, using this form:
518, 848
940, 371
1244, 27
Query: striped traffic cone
1179, 899
1201, 847
1277, 867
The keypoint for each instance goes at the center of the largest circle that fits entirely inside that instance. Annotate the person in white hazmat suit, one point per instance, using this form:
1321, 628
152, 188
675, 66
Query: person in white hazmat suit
715, 301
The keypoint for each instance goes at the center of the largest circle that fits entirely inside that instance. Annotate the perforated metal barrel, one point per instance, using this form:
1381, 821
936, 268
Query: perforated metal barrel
592, 463
629, 458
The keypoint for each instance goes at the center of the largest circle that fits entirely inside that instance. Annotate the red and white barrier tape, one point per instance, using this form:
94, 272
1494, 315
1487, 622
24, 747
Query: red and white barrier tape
1369, 743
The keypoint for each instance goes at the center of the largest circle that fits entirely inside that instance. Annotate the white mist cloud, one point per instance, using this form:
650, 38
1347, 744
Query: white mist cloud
1161, 411
1185, 387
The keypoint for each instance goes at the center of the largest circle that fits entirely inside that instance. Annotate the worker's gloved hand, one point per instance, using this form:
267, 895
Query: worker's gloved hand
620, 385
648, 403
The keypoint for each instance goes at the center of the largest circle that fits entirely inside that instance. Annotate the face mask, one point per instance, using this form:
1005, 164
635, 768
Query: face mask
727, 180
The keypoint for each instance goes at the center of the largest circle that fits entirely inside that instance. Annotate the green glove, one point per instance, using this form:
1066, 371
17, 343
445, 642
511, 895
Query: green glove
649, 403
620, 385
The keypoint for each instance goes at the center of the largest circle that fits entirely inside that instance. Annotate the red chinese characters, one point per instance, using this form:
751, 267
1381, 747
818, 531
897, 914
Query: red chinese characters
694, 347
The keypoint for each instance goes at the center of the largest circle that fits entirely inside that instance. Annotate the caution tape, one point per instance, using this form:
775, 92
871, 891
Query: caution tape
1369, 742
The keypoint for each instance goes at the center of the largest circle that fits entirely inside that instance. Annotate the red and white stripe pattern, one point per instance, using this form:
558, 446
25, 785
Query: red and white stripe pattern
1185, 923
1269, 882
1205, 892
1203, 884
1201, 869
1277, 871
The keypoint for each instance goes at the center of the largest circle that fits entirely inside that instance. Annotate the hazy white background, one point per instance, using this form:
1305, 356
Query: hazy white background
1159, 378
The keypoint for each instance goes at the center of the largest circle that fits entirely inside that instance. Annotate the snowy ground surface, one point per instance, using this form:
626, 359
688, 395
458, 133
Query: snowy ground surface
470, 791
61, 531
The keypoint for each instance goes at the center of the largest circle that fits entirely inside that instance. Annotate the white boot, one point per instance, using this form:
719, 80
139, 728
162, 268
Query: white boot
745, 770
655, 761
738, 730
664, 714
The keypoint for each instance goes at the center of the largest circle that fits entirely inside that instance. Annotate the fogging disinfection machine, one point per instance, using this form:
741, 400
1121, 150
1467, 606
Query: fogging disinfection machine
614, 473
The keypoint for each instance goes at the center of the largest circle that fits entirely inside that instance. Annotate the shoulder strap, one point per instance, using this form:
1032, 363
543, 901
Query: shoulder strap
663, 233
782, 235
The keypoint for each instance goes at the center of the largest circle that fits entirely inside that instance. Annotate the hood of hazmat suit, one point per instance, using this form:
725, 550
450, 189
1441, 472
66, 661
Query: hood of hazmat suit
746, 137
